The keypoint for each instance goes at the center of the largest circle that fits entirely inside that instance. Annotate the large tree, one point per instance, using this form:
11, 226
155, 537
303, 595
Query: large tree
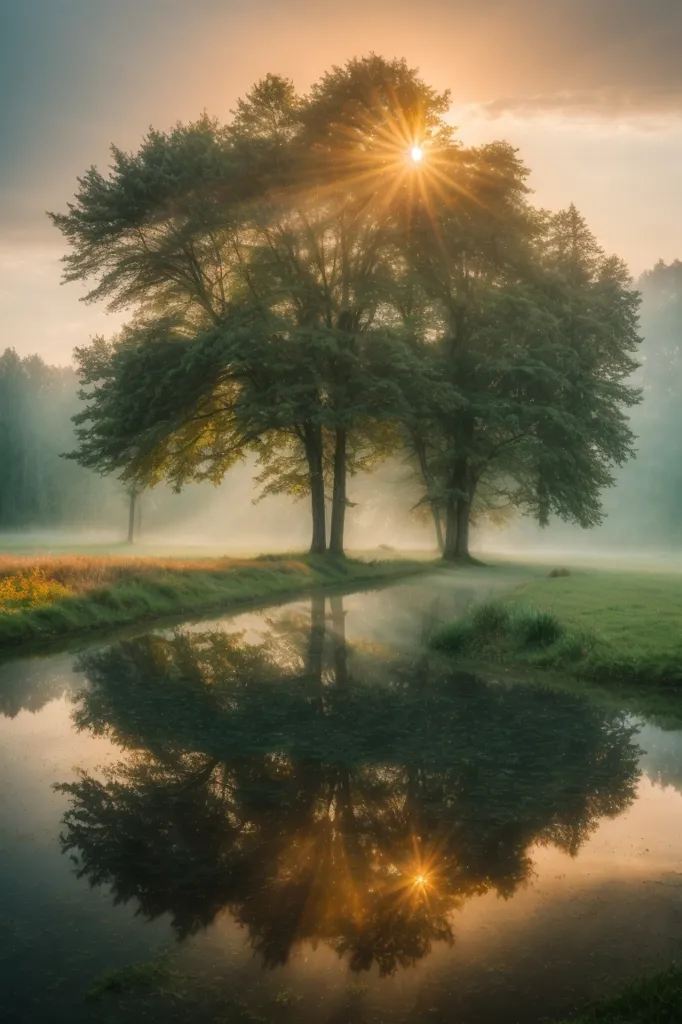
329, 271
539, 331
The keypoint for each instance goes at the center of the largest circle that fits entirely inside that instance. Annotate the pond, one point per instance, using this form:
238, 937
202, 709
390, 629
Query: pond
301, 815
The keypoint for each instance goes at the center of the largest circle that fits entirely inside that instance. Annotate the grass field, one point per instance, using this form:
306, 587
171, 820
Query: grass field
602, 625
47, 597
653, 1000
637, 613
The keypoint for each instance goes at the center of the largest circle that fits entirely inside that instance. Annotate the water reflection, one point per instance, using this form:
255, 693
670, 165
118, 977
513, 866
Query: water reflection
319, 793
28, 684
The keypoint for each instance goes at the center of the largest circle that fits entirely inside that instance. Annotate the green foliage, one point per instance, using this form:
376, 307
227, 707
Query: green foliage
158, 405
301, 290
535, 628
499, 625
307, 271
541, 346
152, 231
455, 638
490, 618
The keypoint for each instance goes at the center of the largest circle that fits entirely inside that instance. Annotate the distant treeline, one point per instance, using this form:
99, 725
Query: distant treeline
37, 487
649, 494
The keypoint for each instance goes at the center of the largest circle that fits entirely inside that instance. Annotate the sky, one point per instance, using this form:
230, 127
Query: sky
590, 91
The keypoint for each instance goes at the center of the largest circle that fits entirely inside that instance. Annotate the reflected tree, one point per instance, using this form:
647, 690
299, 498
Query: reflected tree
319, 795
28, 684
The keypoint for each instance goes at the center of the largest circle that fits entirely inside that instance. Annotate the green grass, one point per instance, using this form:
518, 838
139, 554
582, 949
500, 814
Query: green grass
637, 613
653, 1000
607, 627
147, 591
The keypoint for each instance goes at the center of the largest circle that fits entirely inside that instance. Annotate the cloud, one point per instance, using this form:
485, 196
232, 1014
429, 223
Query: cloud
617, 60
78, 75
645, 107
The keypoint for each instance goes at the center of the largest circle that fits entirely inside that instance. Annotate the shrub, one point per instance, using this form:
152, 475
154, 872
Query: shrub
29, 589
490, 619
534, 628
574, 646
453, 639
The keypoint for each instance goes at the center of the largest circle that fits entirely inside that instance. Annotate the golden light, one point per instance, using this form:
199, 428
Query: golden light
421, 880
417, 154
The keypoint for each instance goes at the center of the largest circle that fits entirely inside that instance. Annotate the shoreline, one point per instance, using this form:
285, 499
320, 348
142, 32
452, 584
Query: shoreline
607, 628
155, 596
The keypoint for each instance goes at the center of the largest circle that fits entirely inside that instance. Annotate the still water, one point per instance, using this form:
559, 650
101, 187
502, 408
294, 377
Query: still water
299, 815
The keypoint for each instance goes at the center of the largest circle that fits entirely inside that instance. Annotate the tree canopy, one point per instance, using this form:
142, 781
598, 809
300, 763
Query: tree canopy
301, 287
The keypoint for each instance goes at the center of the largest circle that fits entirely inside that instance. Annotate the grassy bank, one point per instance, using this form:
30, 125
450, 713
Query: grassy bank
42, 599
653, 1000
606, 627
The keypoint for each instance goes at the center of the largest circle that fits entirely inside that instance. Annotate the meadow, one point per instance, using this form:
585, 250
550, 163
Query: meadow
604, 625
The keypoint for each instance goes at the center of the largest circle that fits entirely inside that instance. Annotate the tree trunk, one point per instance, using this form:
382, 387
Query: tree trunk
457, 531
339, 494
314, 456
420, 451
450, 547
339, 640
131, 516
435, 512
458, 515
316, 643
463, 520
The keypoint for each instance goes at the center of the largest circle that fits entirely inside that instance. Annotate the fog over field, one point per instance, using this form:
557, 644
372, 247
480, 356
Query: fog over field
57, 503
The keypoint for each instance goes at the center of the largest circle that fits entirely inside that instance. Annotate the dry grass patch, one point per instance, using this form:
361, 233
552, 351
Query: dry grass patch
50, 597
79, 574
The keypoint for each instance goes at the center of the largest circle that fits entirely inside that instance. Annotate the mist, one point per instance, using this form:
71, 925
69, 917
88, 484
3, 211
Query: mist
47, 500
642, 510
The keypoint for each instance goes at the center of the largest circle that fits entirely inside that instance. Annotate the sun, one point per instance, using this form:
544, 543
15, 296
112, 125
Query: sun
416, 154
